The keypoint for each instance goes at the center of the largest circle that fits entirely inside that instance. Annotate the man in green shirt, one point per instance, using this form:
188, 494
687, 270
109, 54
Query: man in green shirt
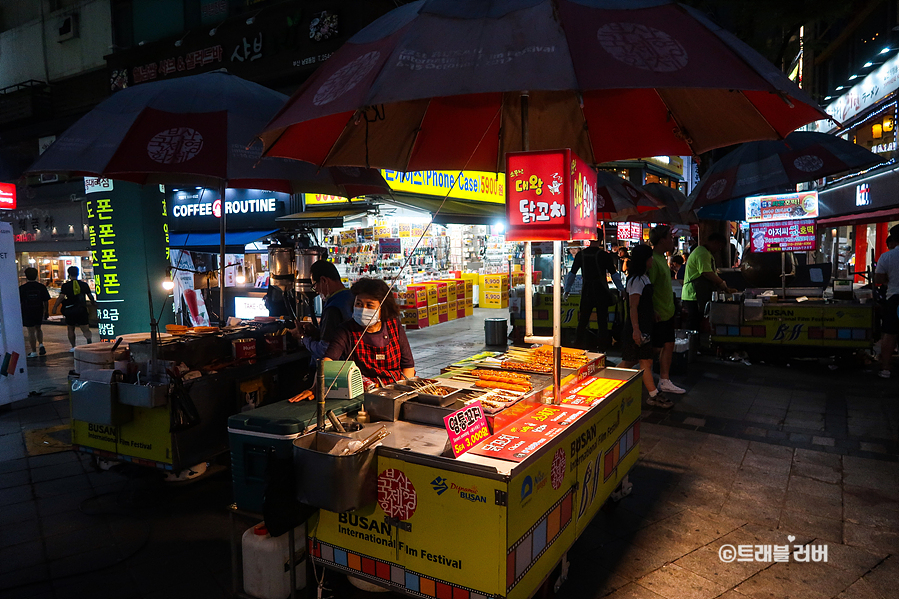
700, 279
659, 273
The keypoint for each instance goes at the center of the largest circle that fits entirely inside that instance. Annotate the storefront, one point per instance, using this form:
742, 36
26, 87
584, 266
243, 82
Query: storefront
51, 232
194, 225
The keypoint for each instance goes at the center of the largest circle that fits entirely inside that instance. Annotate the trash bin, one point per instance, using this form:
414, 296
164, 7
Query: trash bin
496, 331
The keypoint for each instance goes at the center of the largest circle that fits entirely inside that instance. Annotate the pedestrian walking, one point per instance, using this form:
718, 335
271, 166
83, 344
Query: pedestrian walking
701, 279
636, 339
74, 296
35, 301
595, 264
662, 240
887, 273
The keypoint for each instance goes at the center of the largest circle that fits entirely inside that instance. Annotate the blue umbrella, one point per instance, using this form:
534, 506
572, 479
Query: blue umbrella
762, 166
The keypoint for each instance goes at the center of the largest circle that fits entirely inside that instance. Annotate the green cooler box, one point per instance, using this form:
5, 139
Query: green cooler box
251, 434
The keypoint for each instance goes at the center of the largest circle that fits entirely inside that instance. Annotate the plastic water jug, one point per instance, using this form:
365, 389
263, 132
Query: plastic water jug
266, 574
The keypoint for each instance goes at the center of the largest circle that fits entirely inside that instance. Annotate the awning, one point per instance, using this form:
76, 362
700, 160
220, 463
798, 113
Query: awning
208, 241
323, 219
455, 212
876, 216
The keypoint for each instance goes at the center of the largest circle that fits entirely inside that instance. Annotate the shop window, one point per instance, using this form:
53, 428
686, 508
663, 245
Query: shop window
877, 133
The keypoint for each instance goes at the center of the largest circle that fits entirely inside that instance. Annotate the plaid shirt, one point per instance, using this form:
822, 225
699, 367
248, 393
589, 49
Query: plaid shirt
379, 362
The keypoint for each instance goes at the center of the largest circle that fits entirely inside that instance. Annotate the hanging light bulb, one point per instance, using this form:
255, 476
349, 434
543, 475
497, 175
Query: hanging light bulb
168, 284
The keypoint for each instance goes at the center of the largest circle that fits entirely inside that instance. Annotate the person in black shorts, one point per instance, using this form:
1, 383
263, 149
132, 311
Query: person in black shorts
637, 344
74, 296
35, 301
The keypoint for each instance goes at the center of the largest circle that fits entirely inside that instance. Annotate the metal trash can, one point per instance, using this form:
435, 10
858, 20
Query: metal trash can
496, 331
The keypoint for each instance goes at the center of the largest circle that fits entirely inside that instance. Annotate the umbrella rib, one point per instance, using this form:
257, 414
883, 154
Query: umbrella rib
679, 131
424, 113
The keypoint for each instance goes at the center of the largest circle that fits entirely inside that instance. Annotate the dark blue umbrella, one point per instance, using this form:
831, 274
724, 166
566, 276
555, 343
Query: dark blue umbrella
776, 166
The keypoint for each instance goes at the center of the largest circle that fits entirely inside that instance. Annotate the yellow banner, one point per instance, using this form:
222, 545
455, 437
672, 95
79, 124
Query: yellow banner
321, 199
816, 325
474, 186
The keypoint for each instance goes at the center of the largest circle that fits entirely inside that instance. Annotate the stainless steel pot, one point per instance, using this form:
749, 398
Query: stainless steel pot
305, 258
281, 261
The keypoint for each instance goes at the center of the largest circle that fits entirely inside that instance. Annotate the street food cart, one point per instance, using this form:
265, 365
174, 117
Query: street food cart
171, 412
806, 312
489, 472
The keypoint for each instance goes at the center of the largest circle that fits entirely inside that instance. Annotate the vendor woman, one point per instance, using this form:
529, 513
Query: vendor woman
381, 351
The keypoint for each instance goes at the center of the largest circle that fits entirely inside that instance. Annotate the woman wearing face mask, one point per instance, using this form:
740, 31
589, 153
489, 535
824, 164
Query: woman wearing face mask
383, 352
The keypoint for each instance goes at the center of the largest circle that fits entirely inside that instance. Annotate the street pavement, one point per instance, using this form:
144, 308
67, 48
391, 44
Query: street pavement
751, 458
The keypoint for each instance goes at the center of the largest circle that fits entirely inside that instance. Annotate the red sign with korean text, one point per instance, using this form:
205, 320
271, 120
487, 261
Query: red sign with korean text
466, 427
529, 433
783, 236
550, 196
7, 196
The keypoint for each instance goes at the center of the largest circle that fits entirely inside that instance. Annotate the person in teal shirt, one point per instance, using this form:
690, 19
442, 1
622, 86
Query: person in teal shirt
700, 279
662, 241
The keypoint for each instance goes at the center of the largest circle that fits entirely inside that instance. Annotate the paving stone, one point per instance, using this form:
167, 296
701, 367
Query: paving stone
14, 495
749, 477
694, 421
809, 486
675, 582
14, 479
666, 543
817, 526
634, 591
852, 559
13, 465
700, 525
883, 578
872, 447
818, 472
827, 507
872, 539
56, 471
20, 532
770, 465
21, 555
706, 561
755, 431
825, 441
762, 513
776, 582
629, 559
860, 589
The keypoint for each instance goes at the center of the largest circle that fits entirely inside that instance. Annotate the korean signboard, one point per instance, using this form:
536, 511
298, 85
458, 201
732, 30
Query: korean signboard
630, 232
550, 196
466, 428
7, 196
785, 206
321, 199
474, 186
128, 234
783, 236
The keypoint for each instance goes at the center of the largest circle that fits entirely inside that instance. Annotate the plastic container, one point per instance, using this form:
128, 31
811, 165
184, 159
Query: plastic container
266, 574
496, 331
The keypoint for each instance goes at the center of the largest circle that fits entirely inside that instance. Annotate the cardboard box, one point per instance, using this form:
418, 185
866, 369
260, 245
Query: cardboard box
430, 293
442, 312
452, 310
517, 278
413, 297
471, 279
415, 318
433, 315
440, 290
494, 299
460, 308
495, 282
452, 289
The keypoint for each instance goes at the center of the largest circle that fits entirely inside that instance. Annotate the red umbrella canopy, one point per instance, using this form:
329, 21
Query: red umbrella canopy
438, 84
622, 198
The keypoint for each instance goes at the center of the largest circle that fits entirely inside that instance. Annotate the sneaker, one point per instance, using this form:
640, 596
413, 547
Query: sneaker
32, 355
660, 401
42, 350
884, 374
72, 351
668, 387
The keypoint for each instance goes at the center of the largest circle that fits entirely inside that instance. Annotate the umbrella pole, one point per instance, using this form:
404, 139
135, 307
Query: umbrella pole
222, 258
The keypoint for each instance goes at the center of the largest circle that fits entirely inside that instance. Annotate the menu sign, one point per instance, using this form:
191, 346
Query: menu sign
466, 427
529, 433
550, 196
590, 391
785, 206
783, 236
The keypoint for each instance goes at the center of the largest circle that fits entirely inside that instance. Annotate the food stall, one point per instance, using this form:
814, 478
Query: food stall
170, 411
485, 475
789, 304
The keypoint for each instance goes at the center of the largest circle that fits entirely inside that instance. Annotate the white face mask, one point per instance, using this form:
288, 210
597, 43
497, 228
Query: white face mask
366, 316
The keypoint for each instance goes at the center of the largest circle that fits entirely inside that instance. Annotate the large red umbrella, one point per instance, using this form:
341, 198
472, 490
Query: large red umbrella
447, 84
623, 197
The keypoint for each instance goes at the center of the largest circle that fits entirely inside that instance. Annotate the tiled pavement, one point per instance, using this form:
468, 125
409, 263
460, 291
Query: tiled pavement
751, 455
